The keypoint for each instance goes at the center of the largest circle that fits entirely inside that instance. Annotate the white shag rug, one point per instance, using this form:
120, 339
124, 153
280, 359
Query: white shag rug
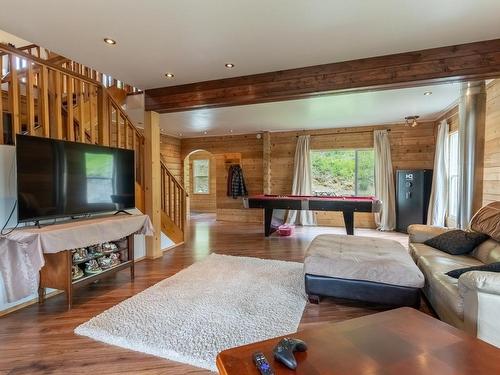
215, 304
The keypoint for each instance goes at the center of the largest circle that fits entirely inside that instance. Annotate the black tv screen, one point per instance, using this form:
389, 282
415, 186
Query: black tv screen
59, 178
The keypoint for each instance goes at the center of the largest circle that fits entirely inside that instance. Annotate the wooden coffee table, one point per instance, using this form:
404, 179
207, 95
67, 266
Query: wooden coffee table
401, 341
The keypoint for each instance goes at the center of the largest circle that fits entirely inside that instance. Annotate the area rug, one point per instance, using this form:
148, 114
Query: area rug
215, 304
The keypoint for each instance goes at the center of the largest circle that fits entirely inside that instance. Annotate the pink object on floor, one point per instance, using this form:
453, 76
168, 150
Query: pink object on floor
285, 230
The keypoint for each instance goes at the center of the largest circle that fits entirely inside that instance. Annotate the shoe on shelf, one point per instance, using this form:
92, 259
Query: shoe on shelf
115, 259
92, 267
108, 247
104, 262
95, 251
76, 273
76, 256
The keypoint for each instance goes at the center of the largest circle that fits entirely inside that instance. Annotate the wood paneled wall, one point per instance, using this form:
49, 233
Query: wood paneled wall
249, 147
202, 202
491, 184
412, 148
170, 149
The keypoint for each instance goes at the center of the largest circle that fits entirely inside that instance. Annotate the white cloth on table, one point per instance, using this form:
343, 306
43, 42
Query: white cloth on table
21, 252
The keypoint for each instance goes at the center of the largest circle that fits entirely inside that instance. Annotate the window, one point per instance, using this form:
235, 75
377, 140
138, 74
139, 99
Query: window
99, 173
453, 180
343, 172
201, 176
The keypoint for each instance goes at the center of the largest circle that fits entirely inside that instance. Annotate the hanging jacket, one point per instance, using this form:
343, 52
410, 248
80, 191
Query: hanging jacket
238, 187
230, 181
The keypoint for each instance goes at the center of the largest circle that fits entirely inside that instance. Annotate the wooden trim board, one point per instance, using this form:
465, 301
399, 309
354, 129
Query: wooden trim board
459, 63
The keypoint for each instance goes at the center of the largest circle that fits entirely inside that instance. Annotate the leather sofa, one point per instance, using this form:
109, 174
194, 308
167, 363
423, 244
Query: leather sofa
471, 302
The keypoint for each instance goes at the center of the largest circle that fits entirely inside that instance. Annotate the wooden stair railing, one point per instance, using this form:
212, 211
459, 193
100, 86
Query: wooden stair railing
55, 59
173, 205
48, 100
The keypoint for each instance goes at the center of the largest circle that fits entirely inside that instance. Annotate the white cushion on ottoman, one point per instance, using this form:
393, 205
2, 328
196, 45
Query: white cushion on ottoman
362, 258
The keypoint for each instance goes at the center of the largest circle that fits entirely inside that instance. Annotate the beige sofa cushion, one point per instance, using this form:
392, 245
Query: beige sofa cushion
419, 233
488, 252
362, 258
420, 250
487, 220
441, 287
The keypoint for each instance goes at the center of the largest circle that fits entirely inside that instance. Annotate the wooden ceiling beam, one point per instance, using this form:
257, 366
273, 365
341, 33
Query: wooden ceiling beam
465, 62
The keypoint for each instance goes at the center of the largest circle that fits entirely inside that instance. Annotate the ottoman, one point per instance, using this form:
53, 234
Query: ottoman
361, 268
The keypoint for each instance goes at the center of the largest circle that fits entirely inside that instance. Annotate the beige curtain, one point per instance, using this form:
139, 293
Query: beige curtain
384, 181
438, 203
302, 181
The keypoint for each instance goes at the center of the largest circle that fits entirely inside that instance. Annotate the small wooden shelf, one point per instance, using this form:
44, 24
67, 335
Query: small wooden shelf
56, 273
91, 278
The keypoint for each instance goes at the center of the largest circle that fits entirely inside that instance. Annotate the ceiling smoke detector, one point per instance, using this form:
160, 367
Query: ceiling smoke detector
411, 121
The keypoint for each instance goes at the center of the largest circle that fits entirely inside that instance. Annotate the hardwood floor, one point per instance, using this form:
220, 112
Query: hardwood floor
40, 340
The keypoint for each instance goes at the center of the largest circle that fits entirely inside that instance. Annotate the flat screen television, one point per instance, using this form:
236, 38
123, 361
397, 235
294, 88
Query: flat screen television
59, 178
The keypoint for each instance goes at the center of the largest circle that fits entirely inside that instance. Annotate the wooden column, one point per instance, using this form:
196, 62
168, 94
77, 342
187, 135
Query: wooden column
266, 157
472, 112
477, 203
152, 181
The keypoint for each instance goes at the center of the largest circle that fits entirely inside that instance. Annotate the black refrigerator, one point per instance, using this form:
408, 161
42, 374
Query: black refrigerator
413, 190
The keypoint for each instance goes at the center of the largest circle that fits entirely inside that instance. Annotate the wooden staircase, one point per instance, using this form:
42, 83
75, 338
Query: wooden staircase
46, 95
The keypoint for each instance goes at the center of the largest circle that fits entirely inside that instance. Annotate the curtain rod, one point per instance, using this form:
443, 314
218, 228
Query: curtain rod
337, 133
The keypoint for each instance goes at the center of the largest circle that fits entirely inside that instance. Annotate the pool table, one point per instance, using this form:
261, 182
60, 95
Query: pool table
347, 204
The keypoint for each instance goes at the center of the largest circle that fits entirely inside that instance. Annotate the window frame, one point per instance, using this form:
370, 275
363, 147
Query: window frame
356, 163
193, 189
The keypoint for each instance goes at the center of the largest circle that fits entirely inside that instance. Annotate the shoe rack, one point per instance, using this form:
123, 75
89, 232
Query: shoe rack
57, 272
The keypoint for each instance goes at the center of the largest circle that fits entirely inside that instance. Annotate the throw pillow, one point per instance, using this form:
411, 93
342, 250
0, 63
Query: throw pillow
492, 267
457, 242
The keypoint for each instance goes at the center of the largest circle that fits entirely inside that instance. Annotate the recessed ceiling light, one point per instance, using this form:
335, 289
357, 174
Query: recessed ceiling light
109, 41
427, 93
229, 65
169, 75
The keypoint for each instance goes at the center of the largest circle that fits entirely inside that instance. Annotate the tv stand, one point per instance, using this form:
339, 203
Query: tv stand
122, 212
56, 273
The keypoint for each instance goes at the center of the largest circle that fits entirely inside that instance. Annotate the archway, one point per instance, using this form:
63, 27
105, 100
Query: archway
200, 182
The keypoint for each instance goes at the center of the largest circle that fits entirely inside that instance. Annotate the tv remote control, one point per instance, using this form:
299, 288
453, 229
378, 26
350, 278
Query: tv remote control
262, 364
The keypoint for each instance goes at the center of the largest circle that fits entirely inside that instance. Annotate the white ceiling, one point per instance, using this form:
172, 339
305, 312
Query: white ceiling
194, 38
332, 111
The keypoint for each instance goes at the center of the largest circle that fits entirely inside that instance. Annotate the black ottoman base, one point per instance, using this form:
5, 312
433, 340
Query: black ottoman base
359, 290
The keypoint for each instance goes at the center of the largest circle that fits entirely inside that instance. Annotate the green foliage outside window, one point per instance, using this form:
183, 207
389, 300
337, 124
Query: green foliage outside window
343, 172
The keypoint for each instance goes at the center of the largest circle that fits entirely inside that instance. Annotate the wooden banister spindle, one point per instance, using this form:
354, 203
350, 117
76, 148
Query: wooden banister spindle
30, 99
92, 98
70, 123
43, 101
119, 119
124, 132
14, 95
57, 104
81, 110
